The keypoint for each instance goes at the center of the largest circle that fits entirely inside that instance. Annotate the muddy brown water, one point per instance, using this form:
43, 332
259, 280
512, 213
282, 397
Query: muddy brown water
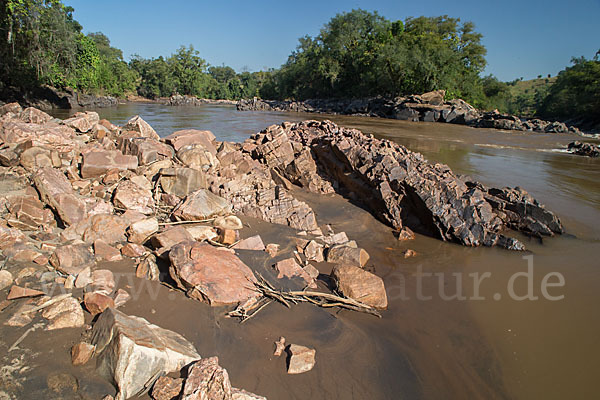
429, 343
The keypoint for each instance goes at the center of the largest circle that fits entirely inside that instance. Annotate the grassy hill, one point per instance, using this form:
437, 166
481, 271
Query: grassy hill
527, 95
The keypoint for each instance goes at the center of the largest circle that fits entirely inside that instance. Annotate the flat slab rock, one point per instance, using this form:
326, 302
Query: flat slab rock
360, 285
133, 353
210, 274
301, 359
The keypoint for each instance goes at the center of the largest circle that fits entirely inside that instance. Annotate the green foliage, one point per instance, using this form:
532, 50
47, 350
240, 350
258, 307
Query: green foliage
576, 93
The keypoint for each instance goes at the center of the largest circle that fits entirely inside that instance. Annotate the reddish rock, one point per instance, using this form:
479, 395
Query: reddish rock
188, 137
228, 222
290, 269
14, 108
81, 353
360, 285
96, 303
272, 249
146, 150
133, 250
34, 116
106, 227
17, 292
302, 359
197, 157
56, 191
102, 281
54, 136
210, 274
406, 234
66, 313
104, 252
207, 380
410, 253
137, 124
251, 243
279, 347
201, 233
167, 388
200, 205
228, 236
121, 297
314, 251
82, 121
343, 254
28, 213
98, 162
148, 269
6, 279
181, 181
130, 196
10, 236
35, 158
170, 237
71, 259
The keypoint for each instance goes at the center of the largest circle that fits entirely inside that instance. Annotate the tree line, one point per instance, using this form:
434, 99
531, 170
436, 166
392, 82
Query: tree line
356, 54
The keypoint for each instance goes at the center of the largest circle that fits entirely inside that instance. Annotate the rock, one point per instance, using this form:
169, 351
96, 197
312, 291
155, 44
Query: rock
8, 157
207, 380
64, 314
63, 384
279, 347
130, 196
6, 279
133, 353
81, 353
133, 250
210, 274
121, 297
201, 233
71, 259
410, 253
181, 181
170, 237
96, 163
9, 237
96, 303
142, 182
140, 231
301, 359
314, 251
406, 234
83, 121
103, 281
35, 158
312, 271
106, 227
56, 191
333, 239
228, 236
584, 149
272, 249
200, 205
343, 254
14, 108
189, 137
17, 292
290, 269
137, 124
34, 116
251, 243
84, 278
148, 269
240, 394
167, 388
197, 157
104, 252
360, 285
146, 150
228, 222
28, 213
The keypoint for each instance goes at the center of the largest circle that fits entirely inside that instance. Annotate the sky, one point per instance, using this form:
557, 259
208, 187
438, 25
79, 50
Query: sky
523, 38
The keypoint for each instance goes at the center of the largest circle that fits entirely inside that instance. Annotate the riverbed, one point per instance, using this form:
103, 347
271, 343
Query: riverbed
439, 338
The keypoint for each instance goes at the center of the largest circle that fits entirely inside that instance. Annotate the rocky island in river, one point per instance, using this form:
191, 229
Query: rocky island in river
81, 194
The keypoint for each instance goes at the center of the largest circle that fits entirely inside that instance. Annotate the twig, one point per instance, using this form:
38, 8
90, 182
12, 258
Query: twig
186, 222
23, 336
47, 303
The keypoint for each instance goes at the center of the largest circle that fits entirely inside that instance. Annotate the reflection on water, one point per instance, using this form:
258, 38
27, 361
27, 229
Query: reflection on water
444, 349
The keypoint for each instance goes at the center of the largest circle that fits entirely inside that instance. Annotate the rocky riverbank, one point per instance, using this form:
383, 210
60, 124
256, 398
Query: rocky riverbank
48, 98
428, 107
179, 100
81, 194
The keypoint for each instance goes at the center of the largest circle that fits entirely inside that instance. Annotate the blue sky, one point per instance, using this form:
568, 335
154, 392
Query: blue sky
523, 38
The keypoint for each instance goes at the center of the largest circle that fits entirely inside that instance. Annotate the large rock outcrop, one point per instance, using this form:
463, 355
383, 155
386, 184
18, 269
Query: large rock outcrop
401, 187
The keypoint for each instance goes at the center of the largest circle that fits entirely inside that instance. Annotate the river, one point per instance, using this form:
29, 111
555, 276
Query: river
490, 345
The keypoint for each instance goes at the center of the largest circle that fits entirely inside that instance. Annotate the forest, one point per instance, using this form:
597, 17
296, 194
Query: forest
356, 54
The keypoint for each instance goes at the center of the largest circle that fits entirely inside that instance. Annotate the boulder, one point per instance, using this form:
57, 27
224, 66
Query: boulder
167, 388
197, 157
102, 281
140, 231
99, 162
289, 269
104, 252
229, 222
106, 227
301, 359
251, 243
6, 279
56, 191
14, 108
201, 204
81, 353
181, 181
146, 150
210, 274
130, 196
82, 121
134, 353
137, 124
133, 250
71, 259
35, 158
28, 213
96, 303
9, 237
201, 233
66, 313
314, 251
207, 380
343, 254
148, 269
170, 237
32, 115
360, 285
189, 137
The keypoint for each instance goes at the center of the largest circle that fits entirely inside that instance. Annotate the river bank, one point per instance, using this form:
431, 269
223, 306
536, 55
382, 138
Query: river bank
428, 107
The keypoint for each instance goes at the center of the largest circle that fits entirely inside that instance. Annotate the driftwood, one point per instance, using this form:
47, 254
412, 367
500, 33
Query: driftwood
270, 294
